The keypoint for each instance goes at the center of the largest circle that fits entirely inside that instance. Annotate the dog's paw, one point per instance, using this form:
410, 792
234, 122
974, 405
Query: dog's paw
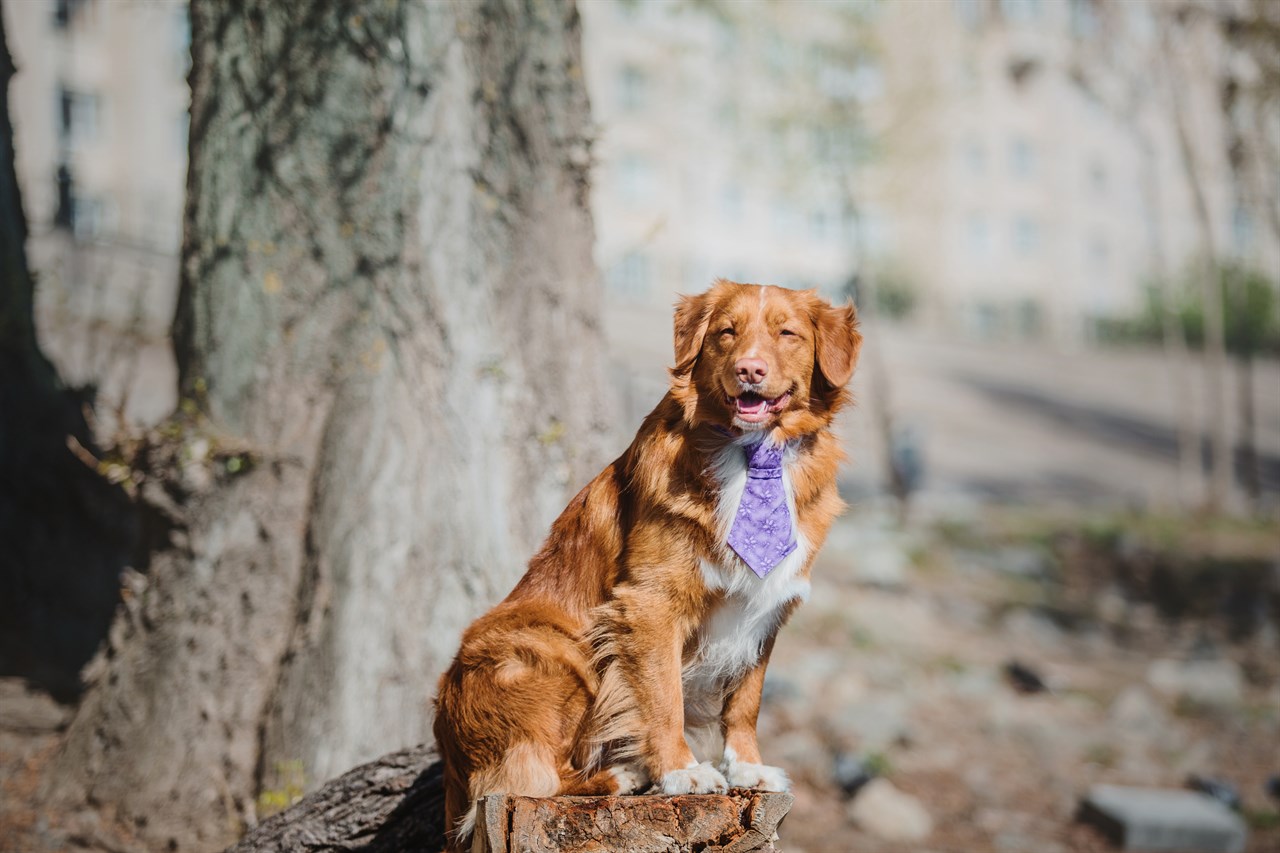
628, 780
759, 777
694, 779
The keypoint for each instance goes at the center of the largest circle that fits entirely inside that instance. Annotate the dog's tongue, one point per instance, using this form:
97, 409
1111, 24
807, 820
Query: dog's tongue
751, 404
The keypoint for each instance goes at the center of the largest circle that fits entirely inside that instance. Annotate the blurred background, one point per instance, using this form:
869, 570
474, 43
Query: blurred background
1060, 220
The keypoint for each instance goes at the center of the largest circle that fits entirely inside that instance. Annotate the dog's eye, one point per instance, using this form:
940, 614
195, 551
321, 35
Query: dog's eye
787, 333
727, 330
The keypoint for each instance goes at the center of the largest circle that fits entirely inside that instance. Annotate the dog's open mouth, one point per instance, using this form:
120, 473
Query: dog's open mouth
753, 408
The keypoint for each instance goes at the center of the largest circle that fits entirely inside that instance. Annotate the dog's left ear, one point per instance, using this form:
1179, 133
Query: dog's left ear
838, 342
690, 328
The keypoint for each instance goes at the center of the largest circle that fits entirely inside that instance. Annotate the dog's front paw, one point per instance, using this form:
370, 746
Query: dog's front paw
694, 779
627, 779
760, 777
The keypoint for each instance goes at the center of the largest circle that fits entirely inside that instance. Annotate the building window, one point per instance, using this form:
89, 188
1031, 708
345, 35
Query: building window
1099, 253
635, 177
1022, 157
79, 116
1242, 228
1020, 11
1026, 235
1084, 18
977, 235
633, 89
975, 157
821, 225
731, 202
88, 217
1098, 176
630, 275
969, 12
64, 12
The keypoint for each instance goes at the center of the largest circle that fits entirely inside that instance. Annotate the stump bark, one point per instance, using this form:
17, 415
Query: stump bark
396, 805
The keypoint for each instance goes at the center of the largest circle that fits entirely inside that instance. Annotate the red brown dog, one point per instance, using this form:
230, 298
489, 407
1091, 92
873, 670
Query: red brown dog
651, 610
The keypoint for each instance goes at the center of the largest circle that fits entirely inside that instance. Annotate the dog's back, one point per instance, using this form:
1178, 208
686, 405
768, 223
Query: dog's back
637, 617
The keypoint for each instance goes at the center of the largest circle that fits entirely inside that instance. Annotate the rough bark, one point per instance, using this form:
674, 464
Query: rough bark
396, 804
740, 821
393, 804
388, 345
67, 533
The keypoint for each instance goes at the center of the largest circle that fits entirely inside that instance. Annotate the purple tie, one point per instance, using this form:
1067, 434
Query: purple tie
761, 532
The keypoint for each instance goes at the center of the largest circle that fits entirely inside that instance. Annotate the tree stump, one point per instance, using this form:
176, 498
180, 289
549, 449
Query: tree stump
396, 805
738, 822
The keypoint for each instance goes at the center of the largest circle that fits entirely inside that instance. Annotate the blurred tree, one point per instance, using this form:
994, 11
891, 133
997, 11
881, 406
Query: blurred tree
67, 532
389, 358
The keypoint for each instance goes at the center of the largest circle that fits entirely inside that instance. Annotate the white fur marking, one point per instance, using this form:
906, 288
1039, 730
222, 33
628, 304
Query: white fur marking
732, 638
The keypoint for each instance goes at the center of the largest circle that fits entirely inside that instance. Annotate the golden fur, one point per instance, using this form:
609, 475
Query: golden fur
583, 680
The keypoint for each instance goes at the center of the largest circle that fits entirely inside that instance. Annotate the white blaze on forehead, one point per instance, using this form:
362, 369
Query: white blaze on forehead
753, 352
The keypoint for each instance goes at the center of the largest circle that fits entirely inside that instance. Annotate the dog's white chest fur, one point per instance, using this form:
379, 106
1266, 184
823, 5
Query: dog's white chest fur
731, 638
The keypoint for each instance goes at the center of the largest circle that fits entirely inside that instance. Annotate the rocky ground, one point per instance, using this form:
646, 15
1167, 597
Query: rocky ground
900, 665
1147, 651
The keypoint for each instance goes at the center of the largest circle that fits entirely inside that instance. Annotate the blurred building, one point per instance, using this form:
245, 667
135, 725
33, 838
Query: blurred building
99, 107
969, 153
997, 176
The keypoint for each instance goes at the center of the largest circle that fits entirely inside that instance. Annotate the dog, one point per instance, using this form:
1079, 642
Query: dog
647, 618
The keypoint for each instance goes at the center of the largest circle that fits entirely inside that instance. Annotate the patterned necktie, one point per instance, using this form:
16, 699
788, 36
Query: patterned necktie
761, 531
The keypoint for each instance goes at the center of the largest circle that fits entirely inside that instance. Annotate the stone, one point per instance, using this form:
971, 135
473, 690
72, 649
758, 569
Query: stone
852, 773
1135, 709
1210, 682
883, 564
1026, 626
1156, 819
880, 809
874, 724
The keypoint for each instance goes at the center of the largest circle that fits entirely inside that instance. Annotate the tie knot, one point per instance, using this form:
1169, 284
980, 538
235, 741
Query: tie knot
764, 460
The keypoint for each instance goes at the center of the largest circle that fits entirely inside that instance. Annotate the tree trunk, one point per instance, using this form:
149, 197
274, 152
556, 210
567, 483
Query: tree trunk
388, 346
67, 533
1215, 352
393, 804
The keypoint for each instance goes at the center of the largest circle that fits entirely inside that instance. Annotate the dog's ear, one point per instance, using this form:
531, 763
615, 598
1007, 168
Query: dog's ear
837, 343
692, 315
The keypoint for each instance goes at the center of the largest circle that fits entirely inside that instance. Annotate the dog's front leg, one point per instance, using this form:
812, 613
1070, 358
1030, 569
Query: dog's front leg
742, 765
656, 626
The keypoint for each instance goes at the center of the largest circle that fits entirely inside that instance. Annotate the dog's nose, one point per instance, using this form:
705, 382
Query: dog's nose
751, 370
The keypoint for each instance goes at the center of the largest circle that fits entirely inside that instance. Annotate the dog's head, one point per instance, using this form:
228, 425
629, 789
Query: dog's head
752, 357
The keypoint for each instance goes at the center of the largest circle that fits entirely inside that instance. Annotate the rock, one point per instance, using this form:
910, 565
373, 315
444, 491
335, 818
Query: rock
1210, 682
1021, 561
1134, 708
881, 564
1220, 789
873, 724
1023, 678
1027, 626
887, 813
1157, 819
852, 773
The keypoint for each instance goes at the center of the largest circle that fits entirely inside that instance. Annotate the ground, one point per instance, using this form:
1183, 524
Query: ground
900, 660
1046, 533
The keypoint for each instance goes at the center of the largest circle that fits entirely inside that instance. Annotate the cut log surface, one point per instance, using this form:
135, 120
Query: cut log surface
738, 822
396, 805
